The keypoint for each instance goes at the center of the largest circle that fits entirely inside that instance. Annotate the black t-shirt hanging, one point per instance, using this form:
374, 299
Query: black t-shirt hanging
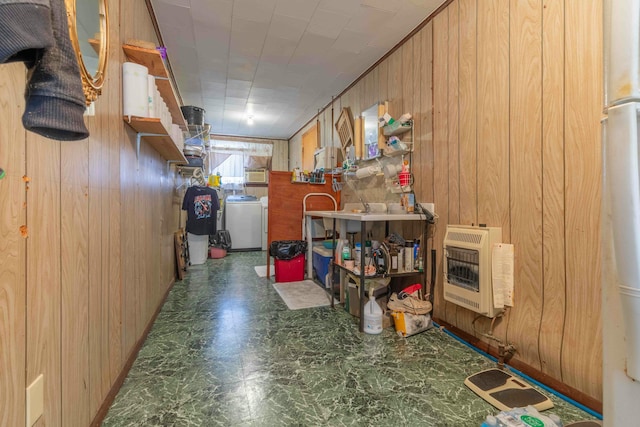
201, 204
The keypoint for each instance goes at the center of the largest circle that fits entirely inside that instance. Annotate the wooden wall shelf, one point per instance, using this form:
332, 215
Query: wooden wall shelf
152, 59
152, 131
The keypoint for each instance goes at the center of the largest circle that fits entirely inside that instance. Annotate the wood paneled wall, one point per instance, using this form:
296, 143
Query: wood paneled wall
86, 245
506, 97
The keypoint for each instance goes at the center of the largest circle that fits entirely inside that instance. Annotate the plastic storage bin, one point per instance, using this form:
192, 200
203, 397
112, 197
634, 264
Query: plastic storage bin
321, 258
291, 270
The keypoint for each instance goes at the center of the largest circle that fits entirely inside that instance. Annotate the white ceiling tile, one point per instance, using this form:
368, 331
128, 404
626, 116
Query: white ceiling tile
310, 49
254, 10
383, 5
161, 3
327, 24
428, 5
232, 102
296, 8
288, 28
281, 59
367, 20
277, 50
212, 13
239, 84
344, 7
173, 16
349, 41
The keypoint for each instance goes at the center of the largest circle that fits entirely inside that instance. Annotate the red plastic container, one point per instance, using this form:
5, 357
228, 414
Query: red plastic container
290, 270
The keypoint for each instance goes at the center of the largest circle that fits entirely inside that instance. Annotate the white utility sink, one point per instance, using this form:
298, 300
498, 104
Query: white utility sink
358, 210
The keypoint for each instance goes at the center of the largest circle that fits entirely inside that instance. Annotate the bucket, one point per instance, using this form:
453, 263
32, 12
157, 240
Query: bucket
193, 115
198, 246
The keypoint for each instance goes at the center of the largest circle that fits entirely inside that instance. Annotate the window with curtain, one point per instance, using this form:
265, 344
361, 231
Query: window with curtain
231, 158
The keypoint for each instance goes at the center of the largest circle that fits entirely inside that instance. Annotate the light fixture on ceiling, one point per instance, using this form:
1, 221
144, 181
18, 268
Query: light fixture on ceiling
250, 120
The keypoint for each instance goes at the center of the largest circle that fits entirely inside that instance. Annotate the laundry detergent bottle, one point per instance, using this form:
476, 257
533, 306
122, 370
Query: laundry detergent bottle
372, 315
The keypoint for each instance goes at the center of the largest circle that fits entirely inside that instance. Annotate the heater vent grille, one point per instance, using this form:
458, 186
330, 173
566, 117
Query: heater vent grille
458, 236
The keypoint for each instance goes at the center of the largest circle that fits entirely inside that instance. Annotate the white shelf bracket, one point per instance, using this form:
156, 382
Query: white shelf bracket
139, 136
172, 161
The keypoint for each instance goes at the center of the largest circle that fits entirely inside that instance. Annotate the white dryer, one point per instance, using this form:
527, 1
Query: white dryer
243, 220
265, 221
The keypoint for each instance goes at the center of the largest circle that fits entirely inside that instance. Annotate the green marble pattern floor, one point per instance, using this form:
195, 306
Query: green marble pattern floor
226, 351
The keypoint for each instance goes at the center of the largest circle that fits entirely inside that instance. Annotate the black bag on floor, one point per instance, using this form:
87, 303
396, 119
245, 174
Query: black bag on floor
222, 239
287, 249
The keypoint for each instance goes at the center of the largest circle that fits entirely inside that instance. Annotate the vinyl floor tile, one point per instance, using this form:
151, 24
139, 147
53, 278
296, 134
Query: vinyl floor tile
225, 351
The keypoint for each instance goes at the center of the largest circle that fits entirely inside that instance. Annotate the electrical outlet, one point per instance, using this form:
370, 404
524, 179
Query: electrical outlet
35, 400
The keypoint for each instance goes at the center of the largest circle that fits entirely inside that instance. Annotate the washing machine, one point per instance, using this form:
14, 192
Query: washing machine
243, 221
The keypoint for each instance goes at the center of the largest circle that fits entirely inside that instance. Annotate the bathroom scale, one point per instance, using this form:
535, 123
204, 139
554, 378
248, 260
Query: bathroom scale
505, 391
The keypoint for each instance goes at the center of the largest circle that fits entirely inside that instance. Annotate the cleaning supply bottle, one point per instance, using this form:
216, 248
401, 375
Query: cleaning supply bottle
346, 251
372, 315
338, 252
358, 254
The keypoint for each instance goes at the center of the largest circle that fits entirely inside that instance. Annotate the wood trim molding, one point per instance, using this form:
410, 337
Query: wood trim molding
537, 375
115, 388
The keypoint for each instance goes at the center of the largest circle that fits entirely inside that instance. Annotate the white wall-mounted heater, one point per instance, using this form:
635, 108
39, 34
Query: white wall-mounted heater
467, 267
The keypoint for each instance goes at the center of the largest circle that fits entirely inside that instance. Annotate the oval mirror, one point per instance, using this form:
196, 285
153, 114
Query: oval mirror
88, 31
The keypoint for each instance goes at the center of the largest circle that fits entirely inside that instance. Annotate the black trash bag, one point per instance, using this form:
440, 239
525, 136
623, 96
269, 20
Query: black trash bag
221, 240
287, 249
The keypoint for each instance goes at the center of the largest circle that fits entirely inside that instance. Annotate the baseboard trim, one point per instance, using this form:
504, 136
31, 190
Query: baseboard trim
115, 388
536, 374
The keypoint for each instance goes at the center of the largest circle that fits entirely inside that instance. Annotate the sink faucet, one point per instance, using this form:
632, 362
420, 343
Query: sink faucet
367, 208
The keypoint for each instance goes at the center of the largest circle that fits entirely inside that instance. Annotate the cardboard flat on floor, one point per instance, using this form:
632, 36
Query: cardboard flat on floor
261, 270
505, 391
303, 294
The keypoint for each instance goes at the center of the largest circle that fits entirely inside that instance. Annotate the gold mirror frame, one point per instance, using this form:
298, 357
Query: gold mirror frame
91, 84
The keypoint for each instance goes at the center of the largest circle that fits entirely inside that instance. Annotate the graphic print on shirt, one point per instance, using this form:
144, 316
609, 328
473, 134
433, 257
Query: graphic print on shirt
202, 206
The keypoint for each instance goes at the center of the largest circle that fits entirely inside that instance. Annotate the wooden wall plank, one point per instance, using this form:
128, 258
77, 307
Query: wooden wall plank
440, 149
408, 88
417, 113
383, 80
43, 273
526, 174
75, 243
493, 115
394, 81
582, 338
467, 75
493, 125
128, 240
113, 349
453, 119
424, 149
94, 237
554, 257
12, 247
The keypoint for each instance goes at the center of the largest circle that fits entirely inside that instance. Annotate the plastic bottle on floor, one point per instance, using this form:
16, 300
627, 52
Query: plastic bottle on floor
372, 315
522, 417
